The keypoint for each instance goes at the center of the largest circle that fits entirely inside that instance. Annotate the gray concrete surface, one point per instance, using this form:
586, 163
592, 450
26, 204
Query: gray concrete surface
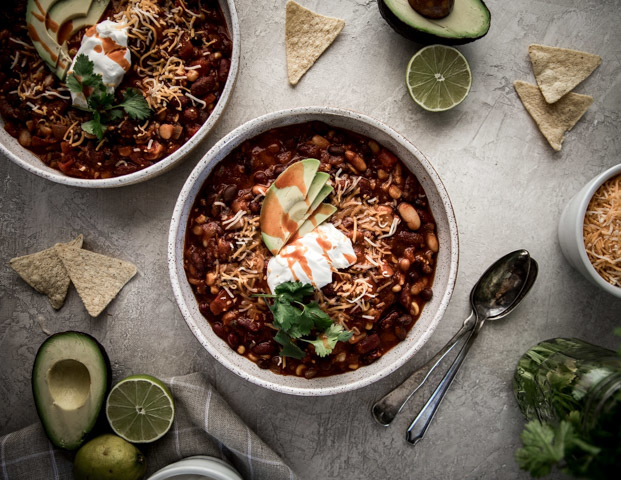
507, 186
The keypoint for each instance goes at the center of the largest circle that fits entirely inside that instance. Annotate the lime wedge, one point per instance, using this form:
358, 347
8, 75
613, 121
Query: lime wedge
438, 78
140, 409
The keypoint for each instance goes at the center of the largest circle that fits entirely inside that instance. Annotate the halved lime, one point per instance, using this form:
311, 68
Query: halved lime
438, 78
140, 409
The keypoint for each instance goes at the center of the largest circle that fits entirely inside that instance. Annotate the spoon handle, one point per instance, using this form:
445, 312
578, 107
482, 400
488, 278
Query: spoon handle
419, 426
386, 409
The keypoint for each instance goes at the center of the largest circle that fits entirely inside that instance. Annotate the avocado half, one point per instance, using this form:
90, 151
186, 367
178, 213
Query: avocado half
70, 378
469, 21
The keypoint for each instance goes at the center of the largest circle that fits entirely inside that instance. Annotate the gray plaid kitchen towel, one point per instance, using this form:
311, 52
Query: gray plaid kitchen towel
204, 425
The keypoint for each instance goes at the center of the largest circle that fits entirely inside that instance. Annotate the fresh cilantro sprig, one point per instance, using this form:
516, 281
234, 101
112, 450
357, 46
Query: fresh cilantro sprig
296, 319
100, 102
545, 446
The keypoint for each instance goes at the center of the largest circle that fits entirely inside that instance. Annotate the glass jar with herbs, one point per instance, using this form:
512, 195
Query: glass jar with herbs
570, 393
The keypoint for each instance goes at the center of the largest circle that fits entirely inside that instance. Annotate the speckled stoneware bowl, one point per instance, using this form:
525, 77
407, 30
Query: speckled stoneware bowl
571, 226
445, 275
10, 147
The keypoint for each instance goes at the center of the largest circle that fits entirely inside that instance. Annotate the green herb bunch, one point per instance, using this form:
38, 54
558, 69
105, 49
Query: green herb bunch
296, 319
100, 102
581, 447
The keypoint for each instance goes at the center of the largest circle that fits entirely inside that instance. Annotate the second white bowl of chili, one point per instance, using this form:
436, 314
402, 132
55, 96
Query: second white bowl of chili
390, 321
188, 78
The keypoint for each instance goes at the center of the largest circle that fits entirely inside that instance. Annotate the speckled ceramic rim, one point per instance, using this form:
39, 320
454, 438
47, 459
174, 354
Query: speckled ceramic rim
27, 160
585, 197
446, 271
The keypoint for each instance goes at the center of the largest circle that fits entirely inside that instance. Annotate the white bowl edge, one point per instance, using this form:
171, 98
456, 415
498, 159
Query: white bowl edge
571, 230
14, 151
445, 276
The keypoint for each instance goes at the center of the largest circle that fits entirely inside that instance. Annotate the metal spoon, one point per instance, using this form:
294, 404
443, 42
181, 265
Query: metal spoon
493, 296
419, 426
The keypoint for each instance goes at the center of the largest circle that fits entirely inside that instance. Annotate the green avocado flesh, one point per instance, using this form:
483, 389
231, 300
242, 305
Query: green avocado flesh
52, 22
469, 20
69, 383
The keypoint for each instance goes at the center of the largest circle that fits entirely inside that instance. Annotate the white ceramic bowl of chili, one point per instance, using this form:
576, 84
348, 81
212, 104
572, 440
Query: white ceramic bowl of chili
571, 231
446, 262
10, 147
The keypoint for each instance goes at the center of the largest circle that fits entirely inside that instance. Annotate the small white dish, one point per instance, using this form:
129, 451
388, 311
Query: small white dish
570, 231
199, 467
23, 157
444, 279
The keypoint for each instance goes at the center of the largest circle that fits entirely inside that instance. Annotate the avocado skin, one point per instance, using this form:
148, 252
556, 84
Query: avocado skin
100, 423
417, 36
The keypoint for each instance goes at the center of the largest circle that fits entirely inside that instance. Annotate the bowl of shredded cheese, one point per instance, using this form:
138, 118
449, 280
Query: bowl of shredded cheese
590, 231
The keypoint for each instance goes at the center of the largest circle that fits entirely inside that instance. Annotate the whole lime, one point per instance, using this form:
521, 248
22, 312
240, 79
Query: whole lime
109, 457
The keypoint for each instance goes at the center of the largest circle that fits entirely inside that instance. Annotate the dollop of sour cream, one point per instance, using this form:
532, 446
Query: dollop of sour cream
105, 44
311, 258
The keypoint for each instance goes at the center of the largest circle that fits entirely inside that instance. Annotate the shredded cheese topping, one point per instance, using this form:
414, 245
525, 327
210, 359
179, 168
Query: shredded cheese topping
602, 231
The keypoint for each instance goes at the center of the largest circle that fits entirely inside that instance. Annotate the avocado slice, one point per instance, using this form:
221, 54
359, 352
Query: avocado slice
285, 205
70, 378
469, 21
69, 27
42, 33
320, 215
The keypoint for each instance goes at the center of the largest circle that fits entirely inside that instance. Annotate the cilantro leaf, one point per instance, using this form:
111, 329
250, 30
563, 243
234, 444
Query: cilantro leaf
285, 315
544, 446
320, 319
83, 66
94, 126
100, 100
294, 291
289, 349
135, 105
326, 342
74, 84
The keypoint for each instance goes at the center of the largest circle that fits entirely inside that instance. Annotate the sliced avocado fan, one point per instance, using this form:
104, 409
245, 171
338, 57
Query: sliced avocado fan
287, 202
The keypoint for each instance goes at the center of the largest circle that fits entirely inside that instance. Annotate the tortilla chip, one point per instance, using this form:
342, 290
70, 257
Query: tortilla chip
97, 278
553, 119
559, 70
307, 35
44, 272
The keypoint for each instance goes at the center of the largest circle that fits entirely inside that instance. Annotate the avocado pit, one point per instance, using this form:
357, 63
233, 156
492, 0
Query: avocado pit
433, 8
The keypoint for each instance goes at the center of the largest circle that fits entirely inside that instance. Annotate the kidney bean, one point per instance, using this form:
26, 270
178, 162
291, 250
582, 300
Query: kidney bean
426, 294
186, 49
405, 320
260, 177
388, 320
263, 363
203, 86
219, 329
229, 193
223, 70
336, 150
400, 332
233, 340
409, 239
248, 324
387, 159
190, 115
265, 348
310, 373
367, 344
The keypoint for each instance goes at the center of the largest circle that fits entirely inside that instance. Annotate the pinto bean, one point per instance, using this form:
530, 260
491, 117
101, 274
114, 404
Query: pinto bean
432, 241
356, 161
409, 215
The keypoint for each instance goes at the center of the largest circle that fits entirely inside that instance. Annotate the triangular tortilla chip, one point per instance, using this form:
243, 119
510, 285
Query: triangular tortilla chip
559, 70
97, 278
307, 35
553, 119
44, 271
